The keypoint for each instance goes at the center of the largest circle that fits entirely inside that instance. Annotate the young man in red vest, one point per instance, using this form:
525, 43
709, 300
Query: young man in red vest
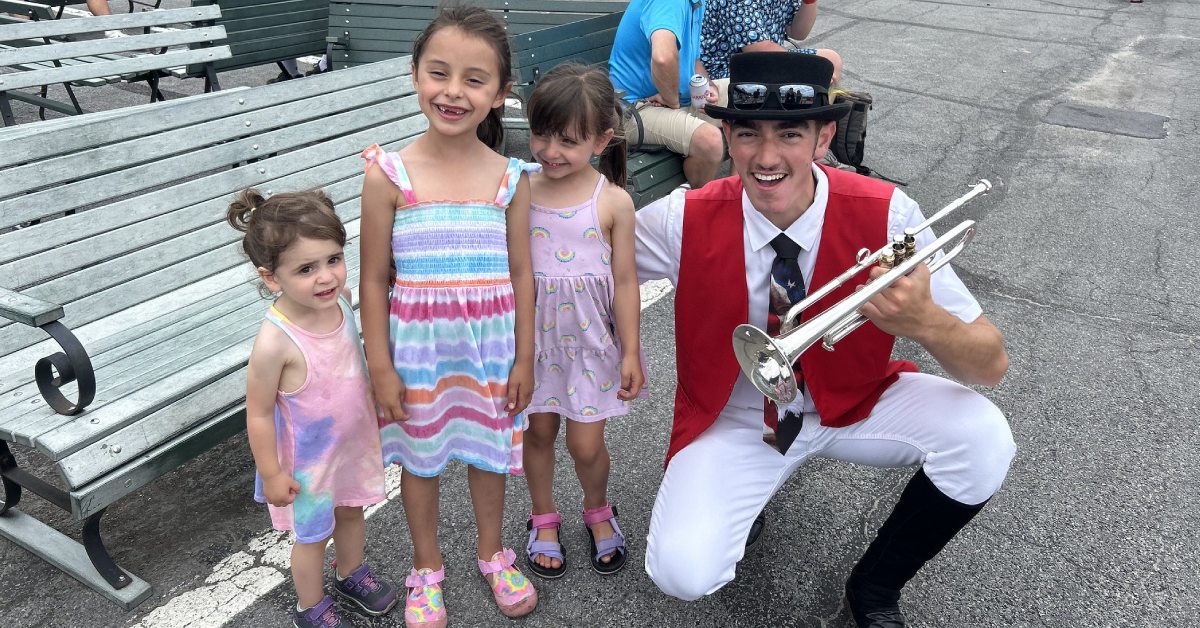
718, 247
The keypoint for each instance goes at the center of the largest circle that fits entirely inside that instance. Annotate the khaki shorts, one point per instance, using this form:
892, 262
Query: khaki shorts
663, 126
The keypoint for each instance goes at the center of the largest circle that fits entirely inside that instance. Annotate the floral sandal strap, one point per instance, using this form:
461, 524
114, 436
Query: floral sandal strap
506, 559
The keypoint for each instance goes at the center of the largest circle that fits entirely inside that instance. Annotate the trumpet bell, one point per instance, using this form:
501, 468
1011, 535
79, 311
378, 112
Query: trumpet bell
765, 363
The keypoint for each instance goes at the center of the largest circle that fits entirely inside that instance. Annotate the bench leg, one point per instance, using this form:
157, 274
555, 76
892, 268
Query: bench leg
6, 110
210, 79
12, 490
98, 554
90, 563
155, 94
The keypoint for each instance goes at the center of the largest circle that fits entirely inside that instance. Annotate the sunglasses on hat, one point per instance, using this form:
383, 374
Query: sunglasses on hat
791, 96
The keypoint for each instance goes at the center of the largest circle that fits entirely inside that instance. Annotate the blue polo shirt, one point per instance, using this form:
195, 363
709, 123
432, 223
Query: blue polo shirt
629, 63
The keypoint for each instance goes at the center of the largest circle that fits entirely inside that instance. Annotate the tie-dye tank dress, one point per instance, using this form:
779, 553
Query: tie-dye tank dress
326, 431
452, 328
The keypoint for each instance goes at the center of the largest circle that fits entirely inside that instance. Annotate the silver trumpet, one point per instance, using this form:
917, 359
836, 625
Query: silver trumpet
768, 361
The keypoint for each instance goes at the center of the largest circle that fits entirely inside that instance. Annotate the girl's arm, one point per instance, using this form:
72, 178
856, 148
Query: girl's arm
520, 269
627, 303
267, 360
375, 283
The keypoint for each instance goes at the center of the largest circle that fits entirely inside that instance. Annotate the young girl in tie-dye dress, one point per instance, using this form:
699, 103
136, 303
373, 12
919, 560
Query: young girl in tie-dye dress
449, 337
309, 415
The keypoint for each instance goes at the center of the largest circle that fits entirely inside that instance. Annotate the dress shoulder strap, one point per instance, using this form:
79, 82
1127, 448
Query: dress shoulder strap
393, 167
512, 176
599, 188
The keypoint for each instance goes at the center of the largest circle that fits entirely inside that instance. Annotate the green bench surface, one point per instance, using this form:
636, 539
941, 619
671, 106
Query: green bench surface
123, 227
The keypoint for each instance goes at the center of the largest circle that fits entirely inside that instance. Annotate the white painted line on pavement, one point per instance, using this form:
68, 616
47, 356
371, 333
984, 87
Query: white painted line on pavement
242, 578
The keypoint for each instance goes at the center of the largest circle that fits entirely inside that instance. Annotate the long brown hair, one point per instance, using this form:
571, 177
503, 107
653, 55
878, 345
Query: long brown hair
474, 22
579, 101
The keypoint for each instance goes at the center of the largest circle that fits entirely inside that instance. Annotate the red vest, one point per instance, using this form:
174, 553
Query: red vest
711, 300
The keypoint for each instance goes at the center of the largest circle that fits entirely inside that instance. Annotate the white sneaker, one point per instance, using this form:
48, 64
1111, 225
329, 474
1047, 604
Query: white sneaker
114, 34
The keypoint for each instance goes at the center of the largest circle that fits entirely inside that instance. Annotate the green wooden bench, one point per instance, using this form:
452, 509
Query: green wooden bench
35, 56
59, 7
113, 242
543, 34
27, 10
269, 31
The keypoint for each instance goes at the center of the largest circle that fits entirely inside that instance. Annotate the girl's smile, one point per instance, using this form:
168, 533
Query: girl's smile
458, 81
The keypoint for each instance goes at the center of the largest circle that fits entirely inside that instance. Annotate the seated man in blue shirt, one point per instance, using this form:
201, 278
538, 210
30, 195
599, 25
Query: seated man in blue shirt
655, 52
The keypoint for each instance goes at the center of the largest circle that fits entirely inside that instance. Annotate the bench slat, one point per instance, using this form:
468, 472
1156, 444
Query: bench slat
101, 23
164, 156
171, 455
109, 45
132, 65
84, 121
28, 9
222, 104
25, 309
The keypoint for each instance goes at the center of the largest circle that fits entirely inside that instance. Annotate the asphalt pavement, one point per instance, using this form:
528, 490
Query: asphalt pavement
1084, 115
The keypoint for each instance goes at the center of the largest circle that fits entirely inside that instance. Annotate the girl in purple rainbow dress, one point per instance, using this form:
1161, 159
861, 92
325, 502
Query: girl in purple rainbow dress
589, 365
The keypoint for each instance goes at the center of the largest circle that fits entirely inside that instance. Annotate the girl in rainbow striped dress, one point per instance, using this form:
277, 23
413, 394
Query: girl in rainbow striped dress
449, 338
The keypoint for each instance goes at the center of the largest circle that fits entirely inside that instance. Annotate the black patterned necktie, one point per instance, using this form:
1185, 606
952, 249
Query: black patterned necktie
787, 289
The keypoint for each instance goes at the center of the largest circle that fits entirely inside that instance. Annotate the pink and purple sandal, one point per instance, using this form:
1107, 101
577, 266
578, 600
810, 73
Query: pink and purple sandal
514, 593
613, 546
549, 549
425, 607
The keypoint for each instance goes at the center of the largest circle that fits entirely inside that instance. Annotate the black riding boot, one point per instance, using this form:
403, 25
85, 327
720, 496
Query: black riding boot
924, 520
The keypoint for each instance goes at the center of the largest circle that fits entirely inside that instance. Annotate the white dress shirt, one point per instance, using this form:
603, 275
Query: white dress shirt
660, 241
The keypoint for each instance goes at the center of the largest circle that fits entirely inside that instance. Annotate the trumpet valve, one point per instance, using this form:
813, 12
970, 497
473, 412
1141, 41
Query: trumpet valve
887, 259
898, 248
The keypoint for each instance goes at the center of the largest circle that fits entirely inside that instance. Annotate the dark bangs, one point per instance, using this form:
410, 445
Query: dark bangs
561, 108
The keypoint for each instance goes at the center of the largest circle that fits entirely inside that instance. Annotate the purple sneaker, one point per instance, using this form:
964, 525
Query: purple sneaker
323, 615
372, 595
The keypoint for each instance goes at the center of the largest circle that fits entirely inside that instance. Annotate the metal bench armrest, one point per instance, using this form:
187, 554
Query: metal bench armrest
52, 372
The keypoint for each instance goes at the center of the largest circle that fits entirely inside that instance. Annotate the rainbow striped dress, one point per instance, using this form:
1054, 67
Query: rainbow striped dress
452, 328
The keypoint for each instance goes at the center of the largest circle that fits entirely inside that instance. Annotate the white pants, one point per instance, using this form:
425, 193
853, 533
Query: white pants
715, 487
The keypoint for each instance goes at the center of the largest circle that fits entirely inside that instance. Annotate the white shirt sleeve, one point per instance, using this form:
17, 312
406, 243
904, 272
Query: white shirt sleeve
947, 289
659, 238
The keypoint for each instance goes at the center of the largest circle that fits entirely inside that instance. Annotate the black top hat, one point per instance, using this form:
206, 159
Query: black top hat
779, 86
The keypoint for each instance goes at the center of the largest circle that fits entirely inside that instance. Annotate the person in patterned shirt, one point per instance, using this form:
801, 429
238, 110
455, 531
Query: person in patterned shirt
732, 26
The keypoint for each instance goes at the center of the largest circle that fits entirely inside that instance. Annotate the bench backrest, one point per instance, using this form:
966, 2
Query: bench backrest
124, 226
267, 31
38, 56
542, 33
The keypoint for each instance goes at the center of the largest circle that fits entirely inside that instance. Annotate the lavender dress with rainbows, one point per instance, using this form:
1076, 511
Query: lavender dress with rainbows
326, 431
452, 328
577, 372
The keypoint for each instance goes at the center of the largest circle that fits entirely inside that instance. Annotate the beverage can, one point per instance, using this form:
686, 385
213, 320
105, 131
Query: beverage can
697, 86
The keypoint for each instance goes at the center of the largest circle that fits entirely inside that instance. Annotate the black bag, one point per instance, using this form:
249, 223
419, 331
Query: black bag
850, 136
